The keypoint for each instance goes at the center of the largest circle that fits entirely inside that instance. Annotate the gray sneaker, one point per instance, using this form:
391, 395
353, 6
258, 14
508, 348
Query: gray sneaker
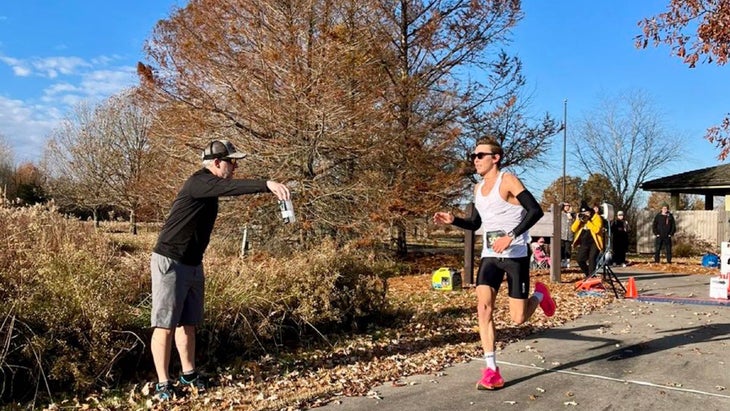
196, 382
165, 392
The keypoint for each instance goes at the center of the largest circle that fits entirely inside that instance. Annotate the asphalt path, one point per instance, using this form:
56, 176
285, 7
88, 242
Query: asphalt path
668, 349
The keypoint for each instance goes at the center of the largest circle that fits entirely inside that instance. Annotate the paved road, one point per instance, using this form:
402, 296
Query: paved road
630, 355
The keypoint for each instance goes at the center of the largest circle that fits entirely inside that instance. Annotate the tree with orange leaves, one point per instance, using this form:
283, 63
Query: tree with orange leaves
363, 107
709, 43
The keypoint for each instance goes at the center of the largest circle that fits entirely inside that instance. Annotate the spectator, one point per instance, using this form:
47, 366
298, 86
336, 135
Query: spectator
566, 235
620, 239
588, 230
604, 229
539, 253
663, 229
178, 278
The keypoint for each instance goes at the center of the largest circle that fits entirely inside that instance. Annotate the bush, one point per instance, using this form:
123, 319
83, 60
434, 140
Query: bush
68, 300
689, 245
76, 301
263, 298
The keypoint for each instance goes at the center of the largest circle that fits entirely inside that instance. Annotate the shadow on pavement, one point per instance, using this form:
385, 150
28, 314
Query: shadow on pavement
688, 336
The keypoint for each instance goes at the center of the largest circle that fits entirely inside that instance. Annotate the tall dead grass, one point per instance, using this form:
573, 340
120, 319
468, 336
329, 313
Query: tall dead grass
66, 314
75, 311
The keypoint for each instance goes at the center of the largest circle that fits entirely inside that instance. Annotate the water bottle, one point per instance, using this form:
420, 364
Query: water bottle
287, 211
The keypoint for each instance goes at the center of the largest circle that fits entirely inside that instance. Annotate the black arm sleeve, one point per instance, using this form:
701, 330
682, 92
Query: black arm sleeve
206, 185
473, 222
534, 212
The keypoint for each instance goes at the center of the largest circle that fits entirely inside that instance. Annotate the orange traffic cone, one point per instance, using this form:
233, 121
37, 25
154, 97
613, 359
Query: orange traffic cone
631, 289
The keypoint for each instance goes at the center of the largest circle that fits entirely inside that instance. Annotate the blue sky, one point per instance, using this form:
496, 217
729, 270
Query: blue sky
54, 54
583, 51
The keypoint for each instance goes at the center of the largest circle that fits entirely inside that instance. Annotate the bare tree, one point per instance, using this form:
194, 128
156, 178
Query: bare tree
74, 158
6, 166
102, 156
125, 130
624, 140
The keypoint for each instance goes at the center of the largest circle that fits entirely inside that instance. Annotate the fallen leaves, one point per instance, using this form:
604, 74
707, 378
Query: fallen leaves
428, 331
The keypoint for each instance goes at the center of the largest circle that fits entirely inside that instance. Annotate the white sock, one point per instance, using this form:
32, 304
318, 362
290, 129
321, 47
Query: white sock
491, 359
538, 295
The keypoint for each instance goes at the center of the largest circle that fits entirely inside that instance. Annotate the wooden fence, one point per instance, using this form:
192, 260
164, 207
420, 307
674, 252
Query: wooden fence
708, 225
711, 226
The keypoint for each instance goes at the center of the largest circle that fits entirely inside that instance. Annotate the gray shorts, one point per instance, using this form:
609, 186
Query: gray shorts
178, 292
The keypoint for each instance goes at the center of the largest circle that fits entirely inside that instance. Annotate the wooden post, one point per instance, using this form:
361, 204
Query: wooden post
555, 256
244, 240
468, 274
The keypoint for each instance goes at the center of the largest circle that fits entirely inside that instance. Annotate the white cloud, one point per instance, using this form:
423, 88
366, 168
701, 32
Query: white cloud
49, 67
52, 66
21, 71
60, 88
19, 67
26, 128
107, 82
61, 83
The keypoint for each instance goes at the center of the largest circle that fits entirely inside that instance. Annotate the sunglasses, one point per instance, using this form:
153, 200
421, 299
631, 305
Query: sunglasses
480, 156
231, 161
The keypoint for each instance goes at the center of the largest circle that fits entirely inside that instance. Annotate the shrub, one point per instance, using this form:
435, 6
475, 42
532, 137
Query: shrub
76, 300
258, 299
68, 301
689, 245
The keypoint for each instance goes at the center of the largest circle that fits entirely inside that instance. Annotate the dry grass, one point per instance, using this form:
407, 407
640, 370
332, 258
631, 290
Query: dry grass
76, 303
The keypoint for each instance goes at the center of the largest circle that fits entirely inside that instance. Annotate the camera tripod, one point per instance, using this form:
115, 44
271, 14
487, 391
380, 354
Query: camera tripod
607, 274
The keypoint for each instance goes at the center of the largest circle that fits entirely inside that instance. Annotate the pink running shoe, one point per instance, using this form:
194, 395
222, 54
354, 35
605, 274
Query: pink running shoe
547, 304
490, 380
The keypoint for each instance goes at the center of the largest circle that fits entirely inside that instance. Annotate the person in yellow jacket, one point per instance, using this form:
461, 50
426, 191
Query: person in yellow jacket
587, 238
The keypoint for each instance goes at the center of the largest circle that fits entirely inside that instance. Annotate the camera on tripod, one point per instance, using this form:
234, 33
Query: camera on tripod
606, 211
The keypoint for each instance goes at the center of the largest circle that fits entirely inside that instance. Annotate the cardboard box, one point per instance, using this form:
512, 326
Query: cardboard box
718, 287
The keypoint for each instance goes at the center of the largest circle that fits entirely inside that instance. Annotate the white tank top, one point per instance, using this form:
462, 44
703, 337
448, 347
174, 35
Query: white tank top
498, 218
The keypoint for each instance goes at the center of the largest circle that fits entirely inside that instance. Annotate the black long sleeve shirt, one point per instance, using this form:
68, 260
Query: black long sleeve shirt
664, 225
186, 232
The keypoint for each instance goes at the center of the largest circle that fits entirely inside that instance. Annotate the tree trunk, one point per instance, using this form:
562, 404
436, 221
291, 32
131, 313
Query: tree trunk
132, 222
399, 239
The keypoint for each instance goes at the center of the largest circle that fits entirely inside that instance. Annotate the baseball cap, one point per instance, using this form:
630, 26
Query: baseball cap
620, 213
222, 149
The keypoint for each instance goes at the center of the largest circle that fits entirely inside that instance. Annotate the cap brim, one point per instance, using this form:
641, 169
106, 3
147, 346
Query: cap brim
237, 154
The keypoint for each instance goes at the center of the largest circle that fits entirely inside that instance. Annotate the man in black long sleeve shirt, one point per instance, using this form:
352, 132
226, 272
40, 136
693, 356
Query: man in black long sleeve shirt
178, 278
663, 227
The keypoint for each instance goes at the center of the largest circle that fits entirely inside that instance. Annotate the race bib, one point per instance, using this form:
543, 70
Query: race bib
492, 236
